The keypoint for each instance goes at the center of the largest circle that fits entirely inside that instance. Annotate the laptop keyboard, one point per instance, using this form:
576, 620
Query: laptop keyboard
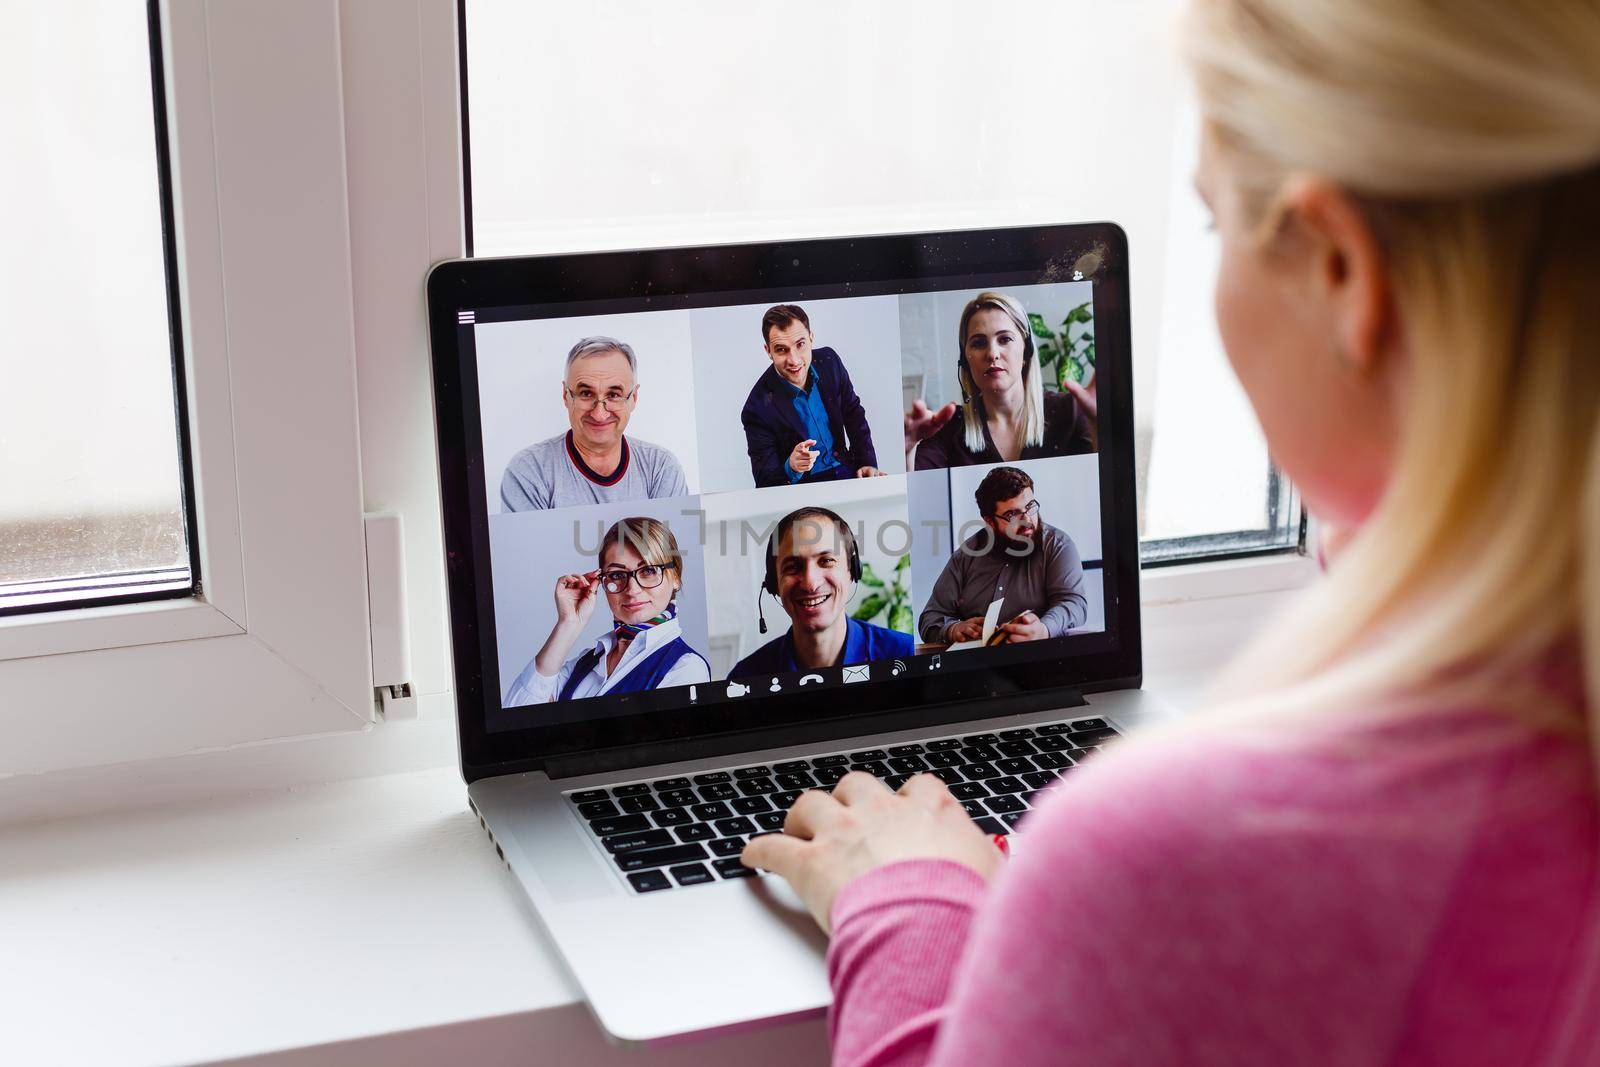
686, 831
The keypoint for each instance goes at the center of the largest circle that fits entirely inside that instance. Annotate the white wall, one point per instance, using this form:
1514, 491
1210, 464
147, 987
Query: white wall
521, 368
864, 331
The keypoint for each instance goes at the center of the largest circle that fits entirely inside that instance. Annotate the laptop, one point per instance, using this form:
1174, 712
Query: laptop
701, 559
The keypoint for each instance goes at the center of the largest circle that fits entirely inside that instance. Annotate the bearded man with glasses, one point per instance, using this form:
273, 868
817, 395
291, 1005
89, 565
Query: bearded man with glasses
594, 462
1017, 558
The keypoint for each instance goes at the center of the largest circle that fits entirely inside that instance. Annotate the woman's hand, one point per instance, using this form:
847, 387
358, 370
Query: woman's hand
575, 597
829, 840
921, 423
1089, 400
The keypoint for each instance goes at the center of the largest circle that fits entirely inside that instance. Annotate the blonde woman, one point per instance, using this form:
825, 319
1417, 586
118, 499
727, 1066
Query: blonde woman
640, 572
1384, 851
1005, 414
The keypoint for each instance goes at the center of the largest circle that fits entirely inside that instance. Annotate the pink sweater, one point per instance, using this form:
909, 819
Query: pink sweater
1412, 895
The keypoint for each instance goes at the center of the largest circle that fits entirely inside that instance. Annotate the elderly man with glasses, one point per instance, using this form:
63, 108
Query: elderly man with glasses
593, 462
1017, 558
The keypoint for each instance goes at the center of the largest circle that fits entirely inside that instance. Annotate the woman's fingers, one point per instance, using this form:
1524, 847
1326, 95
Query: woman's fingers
809, 811
778, 853
928, 790
858, 787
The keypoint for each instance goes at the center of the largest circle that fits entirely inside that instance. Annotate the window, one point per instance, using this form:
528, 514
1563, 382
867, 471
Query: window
672, 125
93, 507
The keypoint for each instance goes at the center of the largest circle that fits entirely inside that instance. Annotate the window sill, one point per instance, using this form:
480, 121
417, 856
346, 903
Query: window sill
115, 626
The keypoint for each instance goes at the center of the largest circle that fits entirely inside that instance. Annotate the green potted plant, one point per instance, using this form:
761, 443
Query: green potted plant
890, 600
1066, 356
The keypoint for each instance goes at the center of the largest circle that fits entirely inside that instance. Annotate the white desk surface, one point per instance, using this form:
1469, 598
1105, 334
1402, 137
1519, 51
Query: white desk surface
359, 922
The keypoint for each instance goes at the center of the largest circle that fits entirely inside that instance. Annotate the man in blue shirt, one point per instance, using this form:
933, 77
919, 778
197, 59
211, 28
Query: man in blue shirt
812, 570
803, 421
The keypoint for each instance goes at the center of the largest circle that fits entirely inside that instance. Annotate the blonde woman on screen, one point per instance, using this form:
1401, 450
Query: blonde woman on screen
1383, 849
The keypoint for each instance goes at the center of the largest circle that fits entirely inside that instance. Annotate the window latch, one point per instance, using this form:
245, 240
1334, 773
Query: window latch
390, 634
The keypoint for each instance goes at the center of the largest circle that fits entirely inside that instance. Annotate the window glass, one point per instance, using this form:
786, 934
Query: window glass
91, 491
598, 126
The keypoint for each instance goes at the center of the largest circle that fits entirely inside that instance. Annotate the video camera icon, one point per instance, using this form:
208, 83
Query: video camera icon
737, 690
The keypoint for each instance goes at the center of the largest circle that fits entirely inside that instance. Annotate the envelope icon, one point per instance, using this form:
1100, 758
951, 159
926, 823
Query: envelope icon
858, 674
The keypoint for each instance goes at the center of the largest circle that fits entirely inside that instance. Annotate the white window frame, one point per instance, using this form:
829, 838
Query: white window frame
289, 301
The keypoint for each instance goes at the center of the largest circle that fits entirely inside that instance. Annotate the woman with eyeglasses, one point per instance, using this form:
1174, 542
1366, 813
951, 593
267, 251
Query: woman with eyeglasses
640, 571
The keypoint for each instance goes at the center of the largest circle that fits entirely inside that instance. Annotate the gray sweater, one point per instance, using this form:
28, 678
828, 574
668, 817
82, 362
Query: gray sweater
551, 475
1047, 581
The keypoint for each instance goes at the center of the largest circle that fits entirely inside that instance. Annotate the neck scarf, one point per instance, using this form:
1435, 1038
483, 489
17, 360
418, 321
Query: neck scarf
630, 630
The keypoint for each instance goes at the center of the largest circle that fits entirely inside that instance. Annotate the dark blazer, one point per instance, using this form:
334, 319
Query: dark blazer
772, 427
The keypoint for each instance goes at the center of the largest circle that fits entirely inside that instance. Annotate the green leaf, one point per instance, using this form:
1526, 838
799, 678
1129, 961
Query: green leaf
900, 618
1081, 313
902, 563
1040, 329
869, 578
870, 608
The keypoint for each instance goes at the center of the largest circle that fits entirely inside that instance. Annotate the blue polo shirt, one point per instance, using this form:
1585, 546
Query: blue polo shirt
814, 417
863, 643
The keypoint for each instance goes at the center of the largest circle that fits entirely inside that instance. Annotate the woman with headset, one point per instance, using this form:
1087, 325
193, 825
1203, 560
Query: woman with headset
1005, 415
640, 571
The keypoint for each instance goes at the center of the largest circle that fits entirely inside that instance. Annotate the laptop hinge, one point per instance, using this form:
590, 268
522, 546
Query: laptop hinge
392, 694
929, 717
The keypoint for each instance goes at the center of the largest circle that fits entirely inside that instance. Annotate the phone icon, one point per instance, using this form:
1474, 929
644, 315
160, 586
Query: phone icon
811, 678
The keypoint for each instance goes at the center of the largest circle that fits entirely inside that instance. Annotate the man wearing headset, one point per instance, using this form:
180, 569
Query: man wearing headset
812, 569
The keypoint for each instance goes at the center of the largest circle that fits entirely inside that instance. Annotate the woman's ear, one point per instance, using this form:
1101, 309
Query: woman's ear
1345, 271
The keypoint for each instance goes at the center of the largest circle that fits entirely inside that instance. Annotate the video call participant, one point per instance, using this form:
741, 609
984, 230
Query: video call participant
1005, 414
803, 421
813, 566
1031, 564
641, 572
594, 461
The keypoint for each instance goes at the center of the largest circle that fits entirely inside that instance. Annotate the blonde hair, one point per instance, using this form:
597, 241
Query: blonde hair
972, 411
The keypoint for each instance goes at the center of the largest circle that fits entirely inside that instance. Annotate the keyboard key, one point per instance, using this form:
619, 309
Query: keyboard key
795, 781
679, 798
975, 808
1085, 725
771, 820
732, 868
718, 791
991, 825
727, 846
1085, 752
1055, 728
1016, 748
1005, 784
618, 824
698, 831
1015, 765
876, 768
979, 771
794, 766
637, 804
634, 790
692, 874
1013, 735
752, 772
895, 781
908, 764
1053, 743
643, 858
1053, 760
829, 775
736, 825
1011, 818
1094, 737
589, 796
671, 817
597, 809
906, 750
783, 800
868, 756
752, 786
715, 810
943, 746
1038, 779
712, 778
980, 753
649, 881
837, 760
980, 739
751, 805
1002, 805
669, 783
968, 790
637, 839
945, 759
947, 775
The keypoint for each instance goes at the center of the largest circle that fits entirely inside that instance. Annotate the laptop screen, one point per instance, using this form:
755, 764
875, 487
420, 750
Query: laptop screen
736, 493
